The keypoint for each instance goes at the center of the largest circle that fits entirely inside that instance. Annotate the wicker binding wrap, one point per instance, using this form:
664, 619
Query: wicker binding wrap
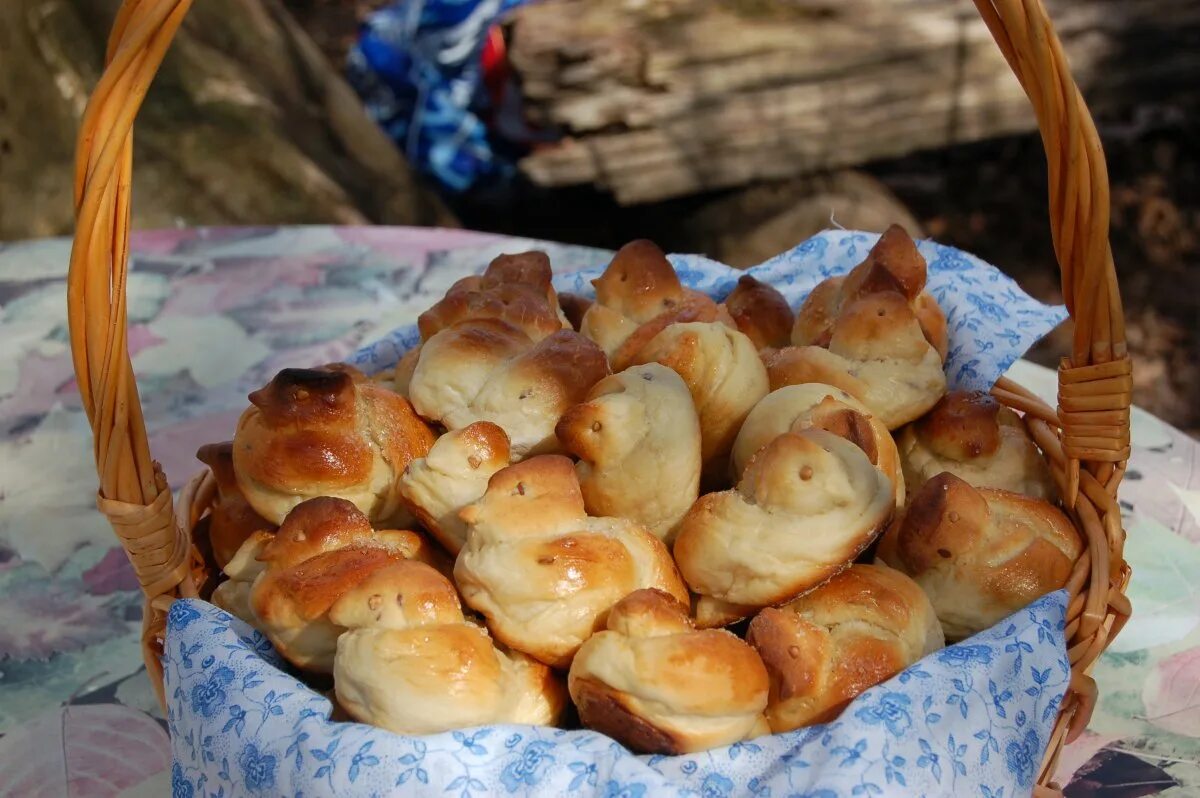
1086, 441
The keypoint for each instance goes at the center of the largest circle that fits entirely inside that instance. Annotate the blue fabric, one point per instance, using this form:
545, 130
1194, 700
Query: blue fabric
417, 68
971, 719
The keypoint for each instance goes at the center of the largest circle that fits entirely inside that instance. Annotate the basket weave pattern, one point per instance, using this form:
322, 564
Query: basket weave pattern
1085, 441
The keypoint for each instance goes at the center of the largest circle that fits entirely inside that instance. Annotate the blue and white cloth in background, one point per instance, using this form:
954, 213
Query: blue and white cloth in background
970, 720
417, 68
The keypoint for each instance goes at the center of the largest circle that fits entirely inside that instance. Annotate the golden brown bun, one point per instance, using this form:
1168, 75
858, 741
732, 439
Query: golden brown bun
402, 374
574, 307
877, 354
658, 686
326, 432
980, 554
806, 506
514, 289
486, 370
822, 649
724, 374
815, 406
638, 296
543, 573
243, 568
410, 663
454, 474
324, 547
761, 312
974, 437
638, 440
232, 519
892, 265
711, 613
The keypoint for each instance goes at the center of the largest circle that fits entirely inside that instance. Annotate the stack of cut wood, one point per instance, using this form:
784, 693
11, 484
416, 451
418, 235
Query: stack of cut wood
663, 98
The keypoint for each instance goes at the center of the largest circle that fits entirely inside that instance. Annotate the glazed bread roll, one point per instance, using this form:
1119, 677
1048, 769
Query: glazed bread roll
402, 373
515, 289
724, 374
326, 432
638, 296
410, 663
815, 406
894, 265
658, 686
454, 474
877, 353
243, 568
808, 503
822, 649
487, 370
711, 613
541, 571
974, 437
324, 547
980, 554
638, 440
760, 312
574, 307
232, 520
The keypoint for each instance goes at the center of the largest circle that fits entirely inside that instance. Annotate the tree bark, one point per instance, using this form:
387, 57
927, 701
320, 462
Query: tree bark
246, 122
665, 98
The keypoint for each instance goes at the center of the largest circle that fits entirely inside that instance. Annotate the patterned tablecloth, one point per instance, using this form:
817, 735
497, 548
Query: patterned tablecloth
215, 313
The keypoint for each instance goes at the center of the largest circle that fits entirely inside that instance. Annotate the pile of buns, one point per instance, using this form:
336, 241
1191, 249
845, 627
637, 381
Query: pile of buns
696, 522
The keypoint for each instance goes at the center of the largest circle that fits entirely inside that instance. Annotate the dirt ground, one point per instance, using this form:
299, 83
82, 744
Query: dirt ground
988, 198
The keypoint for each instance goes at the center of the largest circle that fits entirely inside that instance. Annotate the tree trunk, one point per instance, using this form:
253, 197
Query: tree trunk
664, 98
246, 122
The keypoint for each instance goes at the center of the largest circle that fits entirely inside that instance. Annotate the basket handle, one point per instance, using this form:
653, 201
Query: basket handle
1094, 382
133, 494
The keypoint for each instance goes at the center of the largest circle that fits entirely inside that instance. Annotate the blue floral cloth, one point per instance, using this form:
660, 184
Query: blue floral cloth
970, 720
991, 322
417, 68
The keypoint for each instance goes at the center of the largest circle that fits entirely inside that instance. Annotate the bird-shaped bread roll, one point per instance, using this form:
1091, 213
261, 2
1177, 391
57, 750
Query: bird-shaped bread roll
816, 406
402, 374
454, 474
822, 649
877, 353
541, 571
761, 312
638, 439
724, 374
808, 503
515, 289
326, 432
980, 554
410, 663
324, 547
232, 520
893, 265
637, 296
658, 686
487, 370
242, 569
974, 437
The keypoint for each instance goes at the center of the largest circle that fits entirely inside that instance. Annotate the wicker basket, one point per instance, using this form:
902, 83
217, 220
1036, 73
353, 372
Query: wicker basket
1086, 441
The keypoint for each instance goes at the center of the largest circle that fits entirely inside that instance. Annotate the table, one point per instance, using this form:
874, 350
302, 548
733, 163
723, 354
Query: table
214, 314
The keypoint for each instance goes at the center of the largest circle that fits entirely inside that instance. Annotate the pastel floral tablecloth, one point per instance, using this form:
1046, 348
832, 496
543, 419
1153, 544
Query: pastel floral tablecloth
215, 313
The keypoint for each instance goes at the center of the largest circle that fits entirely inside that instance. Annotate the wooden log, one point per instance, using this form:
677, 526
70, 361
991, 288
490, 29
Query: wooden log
246, 123
660, 99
